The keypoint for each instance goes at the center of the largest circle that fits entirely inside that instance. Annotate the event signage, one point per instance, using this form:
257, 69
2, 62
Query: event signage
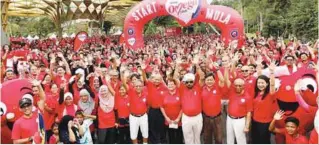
186, 12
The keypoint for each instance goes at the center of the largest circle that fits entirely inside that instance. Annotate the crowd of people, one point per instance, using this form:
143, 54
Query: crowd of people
188, 89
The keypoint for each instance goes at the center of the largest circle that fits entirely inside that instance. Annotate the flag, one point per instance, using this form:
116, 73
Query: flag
79, 40
41, 139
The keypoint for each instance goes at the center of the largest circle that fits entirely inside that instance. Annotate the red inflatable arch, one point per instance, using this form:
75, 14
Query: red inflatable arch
186, 12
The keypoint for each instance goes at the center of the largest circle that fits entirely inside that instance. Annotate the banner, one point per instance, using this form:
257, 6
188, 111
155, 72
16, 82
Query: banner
186, 12
173, 31
79, 40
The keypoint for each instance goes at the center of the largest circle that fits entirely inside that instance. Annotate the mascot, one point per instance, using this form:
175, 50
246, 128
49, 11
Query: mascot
286, 99
11, 92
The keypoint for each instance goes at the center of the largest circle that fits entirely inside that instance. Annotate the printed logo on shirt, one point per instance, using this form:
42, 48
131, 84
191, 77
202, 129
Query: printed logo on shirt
162, 92
250, 81
242, 100
128, 104
214, 92
288, 88
144, 100
177, 98
195, 93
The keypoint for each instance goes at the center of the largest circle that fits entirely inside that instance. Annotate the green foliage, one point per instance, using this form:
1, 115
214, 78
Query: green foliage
21, 26
280, 17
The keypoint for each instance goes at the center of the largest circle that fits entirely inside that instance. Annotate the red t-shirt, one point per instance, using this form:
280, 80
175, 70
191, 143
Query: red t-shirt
122, 105
106, 120
313, 137
25, 127
300, 139
262, 111
59, 80
211, 99
239, 105
138, 104
172, 105
250, 83
52, 102
53, 140
191, 100
155, 96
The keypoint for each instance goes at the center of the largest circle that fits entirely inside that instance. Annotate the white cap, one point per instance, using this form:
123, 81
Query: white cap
28, 96
68, 94
189, 77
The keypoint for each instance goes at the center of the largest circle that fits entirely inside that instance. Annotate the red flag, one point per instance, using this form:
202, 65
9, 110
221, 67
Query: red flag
79, 40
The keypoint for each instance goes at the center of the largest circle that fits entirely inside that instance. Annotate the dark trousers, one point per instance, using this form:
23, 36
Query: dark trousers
224, 111
260, 133
106, 136
48, 134
175, 136
213, 129
124, 135
156, 126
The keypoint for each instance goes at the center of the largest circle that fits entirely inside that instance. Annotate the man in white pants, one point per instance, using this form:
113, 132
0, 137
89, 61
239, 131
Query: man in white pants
239, 112
138, 109
192, 120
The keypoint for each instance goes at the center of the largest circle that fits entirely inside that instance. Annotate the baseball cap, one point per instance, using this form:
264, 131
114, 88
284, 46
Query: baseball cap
24, 102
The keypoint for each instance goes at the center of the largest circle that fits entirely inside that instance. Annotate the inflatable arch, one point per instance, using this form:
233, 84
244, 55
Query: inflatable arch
186, 12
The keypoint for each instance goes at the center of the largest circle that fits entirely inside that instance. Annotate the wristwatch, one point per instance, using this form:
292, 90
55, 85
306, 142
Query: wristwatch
31, 138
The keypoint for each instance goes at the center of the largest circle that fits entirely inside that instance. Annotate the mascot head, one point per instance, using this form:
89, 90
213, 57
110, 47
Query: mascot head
286, 97
11, 92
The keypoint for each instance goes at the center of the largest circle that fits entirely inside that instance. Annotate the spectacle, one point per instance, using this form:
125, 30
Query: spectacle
244, 70
189, 82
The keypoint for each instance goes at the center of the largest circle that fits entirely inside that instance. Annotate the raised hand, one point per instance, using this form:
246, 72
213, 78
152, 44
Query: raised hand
272, 66
278, 115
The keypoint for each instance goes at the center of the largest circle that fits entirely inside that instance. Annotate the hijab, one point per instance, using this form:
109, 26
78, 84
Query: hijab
106, 102
88, 106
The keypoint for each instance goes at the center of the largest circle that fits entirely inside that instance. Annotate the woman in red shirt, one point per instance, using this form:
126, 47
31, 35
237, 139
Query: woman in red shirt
172, 112
263, 104
122, 115
106, 116
66, 104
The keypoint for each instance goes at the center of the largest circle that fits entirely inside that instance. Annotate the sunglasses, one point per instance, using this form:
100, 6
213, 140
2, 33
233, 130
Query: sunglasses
244, 70
189, 82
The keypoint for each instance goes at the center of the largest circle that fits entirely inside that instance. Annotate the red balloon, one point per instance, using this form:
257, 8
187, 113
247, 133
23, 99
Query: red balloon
186, 12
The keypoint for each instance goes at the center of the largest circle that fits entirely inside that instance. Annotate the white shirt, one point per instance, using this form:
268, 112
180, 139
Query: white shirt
86, 138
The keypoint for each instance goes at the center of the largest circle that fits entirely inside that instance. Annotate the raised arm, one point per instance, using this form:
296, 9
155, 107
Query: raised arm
272, 78
67, 67
226, 76
278, 116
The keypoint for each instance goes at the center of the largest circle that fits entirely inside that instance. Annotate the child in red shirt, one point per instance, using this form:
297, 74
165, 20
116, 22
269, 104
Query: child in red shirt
54, 139
290, 131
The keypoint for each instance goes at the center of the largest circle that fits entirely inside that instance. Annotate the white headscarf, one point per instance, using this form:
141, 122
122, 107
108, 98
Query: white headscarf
106, 102
88, 106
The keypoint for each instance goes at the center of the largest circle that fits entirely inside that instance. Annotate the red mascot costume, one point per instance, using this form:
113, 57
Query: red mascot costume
11, 93
286, 99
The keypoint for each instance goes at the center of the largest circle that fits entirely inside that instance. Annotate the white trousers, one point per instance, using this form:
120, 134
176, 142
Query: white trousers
235, 129
136, 123
192, 128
